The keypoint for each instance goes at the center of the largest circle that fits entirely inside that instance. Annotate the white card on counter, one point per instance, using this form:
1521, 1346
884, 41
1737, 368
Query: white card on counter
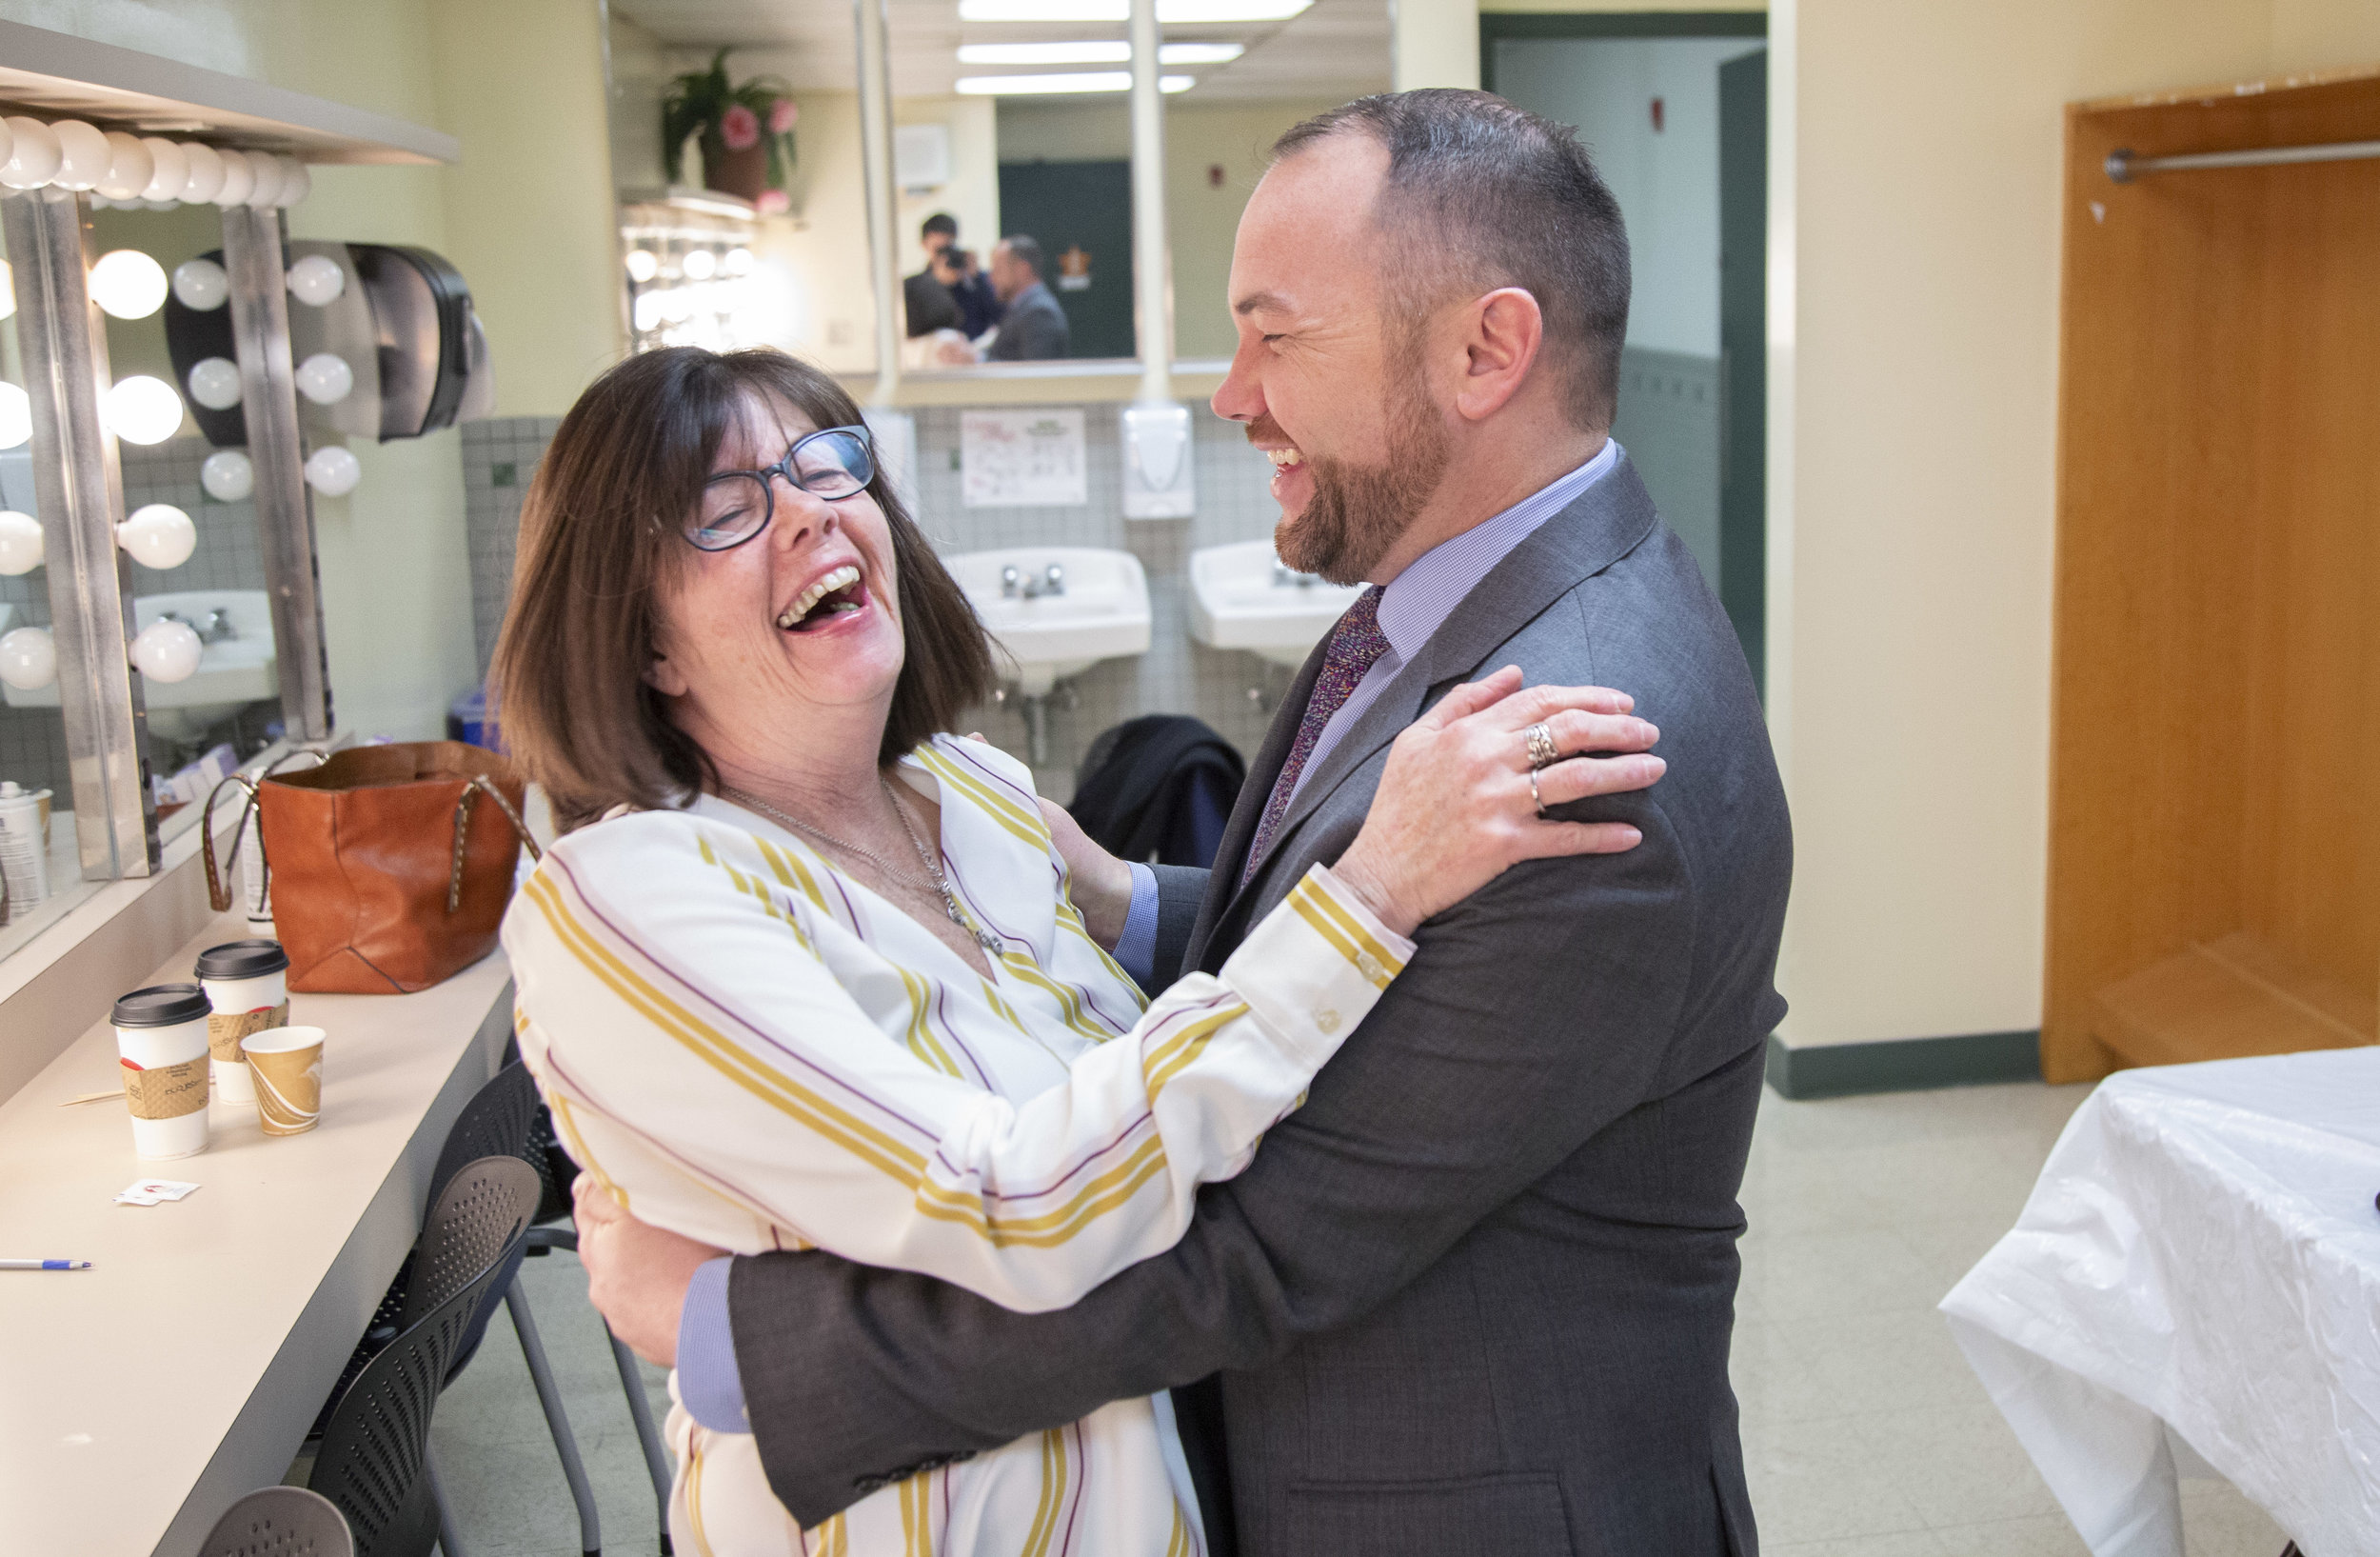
153, 1192
1023, 459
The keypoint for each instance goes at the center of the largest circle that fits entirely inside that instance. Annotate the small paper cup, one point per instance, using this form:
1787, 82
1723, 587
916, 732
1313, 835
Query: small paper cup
287, 1065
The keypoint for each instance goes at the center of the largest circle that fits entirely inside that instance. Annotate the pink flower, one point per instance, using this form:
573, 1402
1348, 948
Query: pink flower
773, 202
782, 113
739, 128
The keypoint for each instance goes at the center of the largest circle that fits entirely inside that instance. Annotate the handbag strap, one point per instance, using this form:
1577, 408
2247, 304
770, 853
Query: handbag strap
219, 887
462, 833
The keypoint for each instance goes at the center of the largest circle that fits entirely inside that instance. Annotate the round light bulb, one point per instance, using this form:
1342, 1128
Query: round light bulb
239, 179
200, 284
169, 169
325, 378
264, 169
142, 410
20, 543
29, 661
130, 167
647, 312
215, 383
83, 155
333, 470
643, 267
16, 416
127, 284
739, 260
297, 180
317, 280
166, 651
698, 264
159, 535
8, 290
33, 154
206, 172
227, 475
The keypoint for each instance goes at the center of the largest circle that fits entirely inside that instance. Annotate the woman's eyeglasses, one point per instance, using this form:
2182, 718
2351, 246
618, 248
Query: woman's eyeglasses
738, 505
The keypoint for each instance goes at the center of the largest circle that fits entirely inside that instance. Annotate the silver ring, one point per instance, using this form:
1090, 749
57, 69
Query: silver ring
1535, 798
1542, 752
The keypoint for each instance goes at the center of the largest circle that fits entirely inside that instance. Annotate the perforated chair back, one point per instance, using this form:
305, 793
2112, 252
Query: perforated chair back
279, 1522
476, 1221
376, 1444
494, 1124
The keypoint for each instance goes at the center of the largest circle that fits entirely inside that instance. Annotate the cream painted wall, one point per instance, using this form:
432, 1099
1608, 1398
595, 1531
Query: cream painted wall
973, 193
1203, 218
1435, 43
1914, 241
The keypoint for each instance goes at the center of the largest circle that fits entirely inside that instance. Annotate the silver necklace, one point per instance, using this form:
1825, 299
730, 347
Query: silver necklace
938, 882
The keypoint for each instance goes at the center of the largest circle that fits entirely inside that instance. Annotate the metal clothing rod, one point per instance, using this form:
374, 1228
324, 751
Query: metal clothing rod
2124, 166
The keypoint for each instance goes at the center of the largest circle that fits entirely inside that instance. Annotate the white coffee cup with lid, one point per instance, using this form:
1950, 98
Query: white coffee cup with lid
247, 988
160, 1045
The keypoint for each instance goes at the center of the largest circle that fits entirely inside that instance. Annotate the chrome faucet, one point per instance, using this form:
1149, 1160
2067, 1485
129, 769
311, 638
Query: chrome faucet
1014, 585
1283, 573
216, 630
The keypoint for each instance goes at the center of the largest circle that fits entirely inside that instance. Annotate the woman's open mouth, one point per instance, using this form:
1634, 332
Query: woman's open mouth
835, 595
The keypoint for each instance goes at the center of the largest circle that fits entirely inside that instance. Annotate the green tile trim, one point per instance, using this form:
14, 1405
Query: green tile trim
1903, 1064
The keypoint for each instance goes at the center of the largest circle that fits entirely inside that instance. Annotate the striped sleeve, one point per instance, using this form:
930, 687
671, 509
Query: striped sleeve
680, 1002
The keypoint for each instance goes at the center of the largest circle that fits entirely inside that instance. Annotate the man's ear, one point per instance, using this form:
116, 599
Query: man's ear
1503, 331
664, 677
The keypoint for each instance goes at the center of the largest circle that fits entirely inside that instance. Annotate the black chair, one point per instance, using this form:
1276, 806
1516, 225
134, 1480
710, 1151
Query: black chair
279, 1522
373, 1463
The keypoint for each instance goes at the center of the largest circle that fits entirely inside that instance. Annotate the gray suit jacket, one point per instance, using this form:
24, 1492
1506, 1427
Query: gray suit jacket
1475, 1297
1033, 330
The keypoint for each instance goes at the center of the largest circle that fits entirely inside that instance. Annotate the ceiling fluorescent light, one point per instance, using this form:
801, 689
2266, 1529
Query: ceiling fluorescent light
1074, 81
1071, 81
1199, 53
1117, 53
1169, 12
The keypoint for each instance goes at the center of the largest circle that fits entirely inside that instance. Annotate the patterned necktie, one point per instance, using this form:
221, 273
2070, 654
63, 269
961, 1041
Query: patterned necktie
1356, 643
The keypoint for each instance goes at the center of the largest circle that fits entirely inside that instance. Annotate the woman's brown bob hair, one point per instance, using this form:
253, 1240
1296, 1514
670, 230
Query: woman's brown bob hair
600, 535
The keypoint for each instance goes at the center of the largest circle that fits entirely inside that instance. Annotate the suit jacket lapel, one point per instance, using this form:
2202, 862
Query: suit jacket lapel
1232, 852
1604, 524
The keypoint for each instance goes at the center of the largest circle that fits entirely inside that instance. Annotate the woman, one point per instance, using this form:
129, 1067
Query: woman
806, 970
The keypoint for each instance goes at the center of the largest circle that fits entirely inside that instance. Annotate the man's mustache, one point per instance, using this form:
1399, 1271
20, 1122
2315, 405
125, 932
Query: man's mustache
1264, 429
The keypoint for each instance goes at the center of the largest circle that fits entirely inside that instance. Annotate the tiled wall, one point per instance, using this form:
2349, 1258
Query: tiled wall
32, 740
499, 455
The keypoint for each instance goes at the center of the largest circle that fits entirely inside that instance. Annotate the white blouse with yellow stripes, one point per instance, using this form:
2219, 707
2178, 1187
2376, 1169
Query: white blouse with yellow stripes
746, 1046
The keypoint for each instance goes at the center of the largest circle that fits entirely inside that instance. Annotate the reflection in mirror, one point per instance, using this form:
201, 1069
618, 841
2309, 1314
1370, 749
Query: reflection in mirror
224, 707
40, 873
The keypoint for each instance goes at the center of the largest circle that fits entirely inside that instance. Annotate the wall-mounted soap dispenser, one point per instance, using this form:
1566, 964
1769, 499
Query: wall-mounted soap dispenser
1156, 463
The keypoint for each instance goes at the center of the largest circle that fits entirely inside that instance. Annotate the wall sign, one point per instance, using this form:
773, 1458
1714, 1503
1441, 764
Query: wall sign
1022, 459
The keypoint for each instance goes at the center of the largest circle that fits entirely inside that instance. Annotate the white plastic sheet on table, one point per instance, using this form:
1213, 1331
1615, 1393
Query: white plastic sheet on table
2198, 1269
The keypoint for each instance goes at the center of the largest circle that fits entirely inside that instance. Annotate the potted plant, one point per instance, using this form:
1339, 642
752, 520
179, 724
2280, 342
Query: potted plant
746, 132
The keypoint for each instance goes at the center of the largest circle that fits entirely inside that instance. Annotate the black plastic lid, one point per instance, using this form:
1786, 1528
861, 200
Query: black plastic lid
162, 1005
242, 960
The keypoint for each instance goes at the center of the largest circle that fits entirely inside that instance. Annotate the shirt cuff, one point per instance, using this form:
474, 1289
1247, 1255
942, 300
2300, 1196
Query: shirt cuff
709, 1385
1135, 948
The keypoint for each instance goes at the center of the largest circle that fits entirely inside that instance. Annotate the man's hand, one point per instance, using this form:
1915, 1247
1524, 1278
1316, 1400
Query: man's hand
636, 1275
1101, 884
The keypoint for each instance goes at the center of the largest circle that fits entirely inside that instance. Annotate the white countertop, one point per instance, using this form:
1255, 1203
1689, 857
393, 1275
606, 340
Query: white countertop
140, 1398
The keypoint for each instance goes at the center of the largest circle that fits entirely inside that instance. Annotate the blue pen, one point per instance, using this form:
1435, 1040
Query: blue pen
45, 1264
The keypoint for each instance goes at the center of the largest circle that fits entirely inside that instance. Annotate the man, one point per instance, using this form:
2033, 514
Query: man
1475, 1296
951, 292
1032, 329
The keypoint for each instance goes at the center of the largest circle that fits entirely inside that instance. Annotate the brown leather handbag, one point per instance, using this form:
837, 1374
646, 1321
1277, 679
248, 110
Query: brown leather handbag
390, 866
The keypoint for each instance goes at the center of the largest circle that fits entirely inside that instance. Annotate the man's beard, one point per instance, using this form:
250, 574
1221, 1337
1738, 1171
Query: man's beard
1358, 512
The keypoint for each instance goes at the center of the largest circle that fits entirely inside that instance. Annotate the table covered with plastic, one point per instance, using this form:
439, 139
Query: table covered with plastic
2197, 1276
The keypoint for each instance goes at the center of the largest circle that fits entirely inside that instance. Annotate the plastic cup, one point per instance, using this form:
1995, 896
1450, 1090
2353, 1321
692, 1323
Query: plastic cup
160, 1044
248, 985
287, 1064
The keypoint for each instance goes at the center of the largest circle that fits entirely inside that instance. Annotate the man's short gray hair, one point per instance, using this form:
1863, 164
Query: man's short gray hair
1027, 252
1482, 194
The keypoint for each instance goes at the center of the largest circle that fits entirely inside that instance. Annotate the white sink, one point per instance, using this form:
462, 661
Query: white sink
1238, 600
239, 669
1102, 612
